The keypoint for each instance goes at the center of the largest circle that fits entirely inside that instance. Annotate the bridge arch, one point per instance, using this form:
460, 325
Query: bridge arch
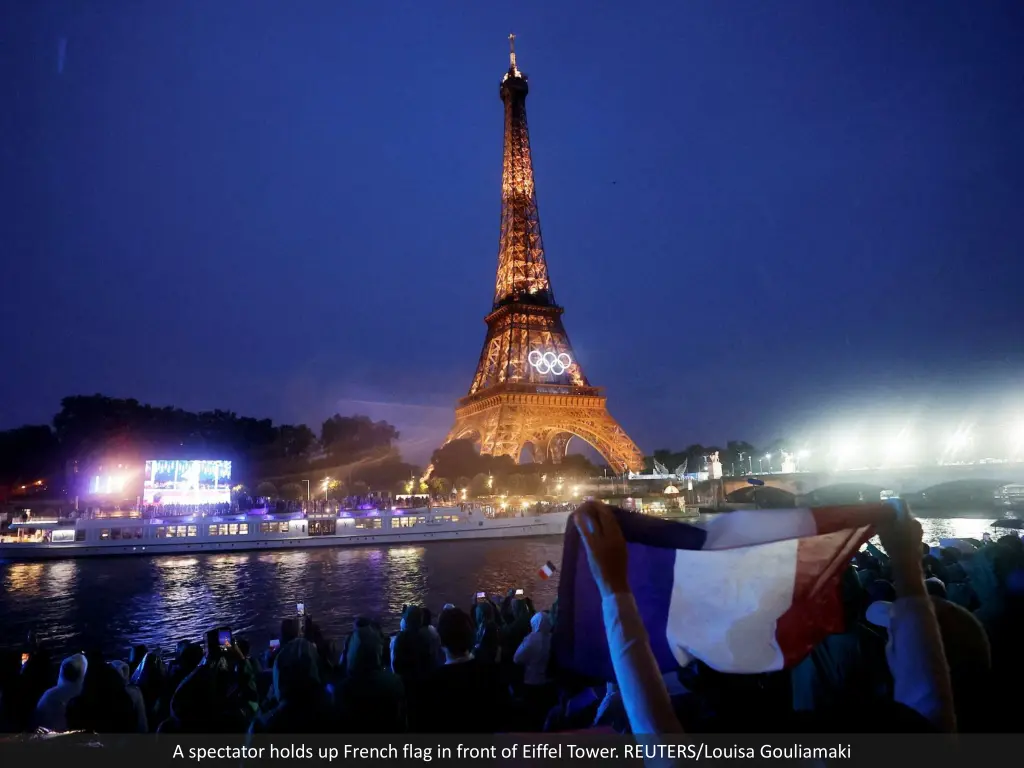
965, 493
845, 493
765, 496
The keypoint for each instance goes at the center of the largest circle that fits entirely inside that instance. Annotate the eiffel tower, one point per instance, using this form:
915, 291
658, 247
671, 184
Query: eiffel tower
529, 387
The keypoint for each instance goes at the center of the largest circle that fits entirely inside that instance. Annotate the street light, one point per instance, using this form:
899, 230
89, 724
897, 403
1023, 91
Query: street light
327, 485
768, 458
307, 489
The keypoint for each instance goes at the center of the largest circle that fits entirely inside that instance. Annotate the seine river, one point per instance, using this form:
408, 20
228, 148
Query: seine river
158, 601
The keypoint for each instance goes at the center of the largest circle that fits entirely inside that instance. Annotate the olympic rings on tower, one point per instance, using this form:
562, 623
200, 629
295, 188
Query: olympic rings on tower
548, 362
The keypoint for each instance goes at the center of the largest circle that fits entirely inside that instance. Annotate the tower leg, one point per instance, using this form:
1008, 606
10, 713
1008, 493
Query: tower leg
556, 447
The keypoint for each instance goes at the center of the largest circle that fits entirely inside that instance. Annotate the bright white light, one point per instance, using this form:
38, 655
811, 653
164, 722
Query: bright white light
803, 454
767, 457
1017, 439
846, 451
549, 362
959, 440
900, 448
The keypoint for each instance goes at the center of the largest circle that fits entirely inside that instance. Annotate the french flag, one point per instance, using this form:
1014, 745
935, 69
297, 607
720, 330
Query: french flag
547, 570
749, 592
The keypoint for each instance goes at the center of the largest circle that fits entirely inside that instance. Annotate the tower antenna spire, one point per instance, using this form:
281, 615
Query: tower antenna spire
512, 52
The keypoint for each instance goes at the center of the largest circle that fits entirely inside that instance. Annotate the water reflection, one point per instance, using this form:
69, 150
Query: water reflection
60, 577
159, 601
24, 576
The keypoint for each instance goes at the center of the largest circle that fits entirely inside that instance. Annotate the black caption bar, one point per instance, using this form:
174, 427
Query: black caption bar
577, 750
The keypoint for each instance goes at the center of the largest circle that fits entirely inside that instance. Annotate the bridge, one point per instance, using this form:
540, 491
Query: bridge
903, 481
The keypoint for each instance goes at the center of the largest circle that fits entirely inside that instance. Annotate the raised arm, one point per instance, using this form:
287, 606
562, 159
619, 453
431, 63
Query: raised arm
644, 695
916, 657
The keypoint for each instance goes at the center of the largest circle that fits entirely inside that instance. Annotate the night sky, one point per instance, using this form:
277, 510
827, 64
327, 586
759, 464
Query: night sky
757, 215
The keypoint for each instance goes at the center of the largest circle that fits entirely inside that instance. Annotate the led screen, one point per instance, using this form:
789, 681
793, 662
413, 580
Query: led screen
173, 481
101, 485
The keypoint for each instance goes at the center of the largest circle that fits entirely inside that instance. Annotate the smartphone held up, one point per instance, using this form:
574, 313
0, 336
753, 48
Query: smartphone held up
219, 641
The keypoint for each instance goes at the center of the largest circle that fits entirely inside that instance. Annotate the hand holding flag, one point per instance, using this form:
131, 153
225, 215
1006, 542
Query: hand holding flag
751, 591
605, 546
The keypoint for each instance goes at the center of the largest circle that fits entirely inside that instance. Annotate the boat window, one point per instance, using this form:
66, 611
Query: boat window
192, 530
243, 529
213, 530
233, 529
368, 522
403, 522
104, 534
80, 535
322, 527
161, 532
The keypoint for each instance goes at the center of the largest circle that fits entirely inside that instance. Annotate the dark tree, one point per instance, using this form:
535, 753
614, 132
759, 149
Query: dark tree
348, 438
28, 453
456, 459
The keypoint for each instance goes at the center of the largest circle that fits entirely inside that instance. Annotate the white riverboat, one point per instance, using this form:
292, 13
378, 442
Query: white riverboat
131, 534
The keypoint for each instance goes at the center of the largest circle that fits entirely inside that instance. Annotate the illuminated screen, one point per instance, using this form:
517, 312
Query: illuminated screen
170, 481
104, 484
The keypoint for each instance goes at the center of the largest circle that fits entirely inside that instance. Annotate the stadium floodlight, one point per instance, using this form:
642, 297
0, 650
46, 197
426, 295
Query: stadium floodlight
1017, 440
845, 451
900, 449
959, 440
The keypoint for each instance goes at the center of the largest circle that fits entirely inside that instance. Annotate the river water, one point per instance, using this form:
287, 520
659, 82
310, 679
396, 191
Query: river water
160, 600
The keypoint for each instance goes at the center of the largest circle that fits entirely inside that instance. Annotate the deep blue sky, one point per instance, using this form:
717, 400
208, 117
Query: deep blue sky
291, 209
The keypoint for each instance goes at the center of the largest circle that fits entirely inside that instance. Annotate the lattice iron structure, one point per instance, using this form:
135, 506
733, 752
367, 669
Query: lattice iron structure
529, 387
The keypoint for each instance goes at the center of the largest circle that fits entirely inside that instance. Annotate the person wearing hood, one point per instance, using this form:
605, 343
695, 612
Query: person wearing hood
302, 703
411, 654
51, 711
487, 648
104, 705
142, 722
432, 639
533, 656
533, 652
511, 636
370, 698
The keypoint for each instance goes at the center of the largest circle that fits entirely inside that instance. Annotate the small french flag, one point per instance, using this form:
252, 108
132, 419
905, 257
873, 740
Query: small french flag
547, 570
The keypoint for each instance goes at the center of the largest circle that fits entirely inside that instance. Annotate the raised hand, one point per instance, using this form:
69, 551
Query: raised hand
605, 545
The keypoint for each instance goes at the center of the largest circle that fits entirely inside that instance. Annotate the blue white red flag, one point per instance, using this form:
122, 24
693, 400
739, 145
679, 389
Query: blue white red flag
749, 592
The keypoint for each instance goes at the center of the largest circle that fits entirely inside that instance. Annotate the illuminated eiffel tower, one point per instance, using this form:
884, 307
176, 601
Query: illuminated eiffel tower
529, 386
